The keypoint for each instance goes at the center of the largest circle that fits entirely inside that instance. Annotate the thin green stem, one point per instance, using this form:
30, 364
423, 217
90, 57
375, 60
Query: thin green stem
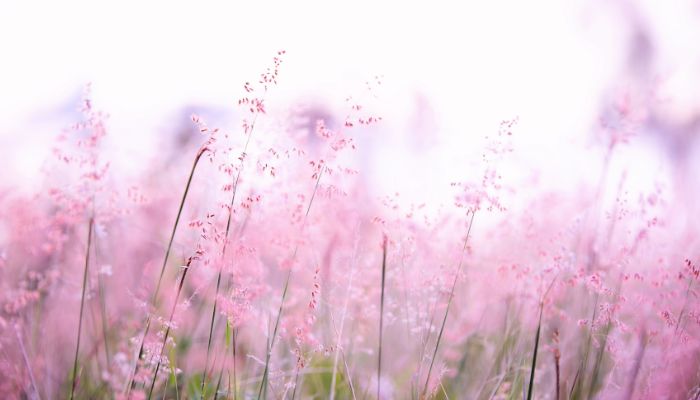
263, 383
296, 383
162, 269
342, 320
102, 304
531, 385
576, 387
381, 319
82, 305
167, 330
234, 190
449, 302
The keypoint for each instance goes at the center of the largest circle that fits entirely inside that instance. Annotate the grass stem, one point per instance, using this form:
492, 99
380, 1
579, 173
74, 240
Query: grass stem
82, 305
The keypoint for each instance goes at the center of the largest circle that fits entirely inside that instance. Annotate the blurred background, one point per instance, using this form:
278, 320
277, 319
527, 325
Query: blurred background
581, 117
573, 73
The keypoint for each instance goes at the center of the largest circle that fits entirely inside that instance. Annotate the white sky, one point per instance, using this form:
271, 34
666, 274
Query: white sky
476, 63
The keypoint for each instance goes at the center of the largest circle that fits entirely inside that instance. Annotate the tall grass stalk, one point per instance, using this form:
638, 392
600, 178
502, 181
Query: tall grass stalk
27, 365
154, 298
601, 352
510, 341
425, 337
82, 305
449, 302
170, 322
557, 386
271, 345
381, 319
218, 381
103, 309
531, 385
296, 383
576, 386
234, 189
228, 339
599, 360
102, 302
342, 320
637, 365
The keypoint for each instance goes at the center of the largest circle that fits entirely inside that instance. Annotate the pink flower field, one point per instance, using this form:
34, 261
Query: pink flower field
454, 202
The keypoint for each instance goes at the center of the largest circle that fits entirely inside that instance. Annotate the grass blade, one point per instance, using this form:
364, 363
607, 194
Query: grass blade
557, 372
531, 385
449, 302
599, 361
262, 392
577, 386
167, 330
381, 318
162, 269
234, 190
82, 304
27, 365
